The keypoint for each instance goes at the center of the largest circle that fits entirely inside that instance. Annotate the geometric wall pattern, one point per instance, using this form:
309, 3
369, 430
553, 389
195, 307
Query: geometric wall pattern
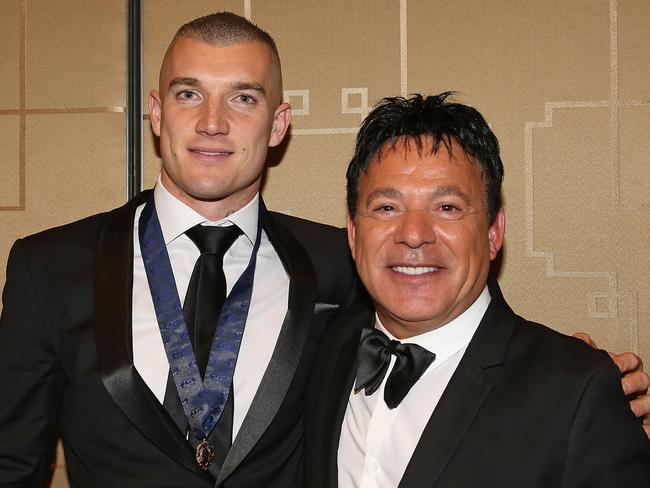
564, 84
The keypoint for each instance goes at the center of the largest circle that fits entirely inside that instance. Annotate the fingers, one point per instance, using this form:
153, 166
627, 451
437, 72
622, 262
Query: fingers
646, 424
641, 408
636, 383
585, 337
627, 362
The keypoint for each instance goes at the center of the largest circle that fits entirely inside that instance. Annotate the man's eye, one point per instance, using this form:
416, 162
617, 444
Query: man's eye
186, 95
448, 207
385, 208
245, 98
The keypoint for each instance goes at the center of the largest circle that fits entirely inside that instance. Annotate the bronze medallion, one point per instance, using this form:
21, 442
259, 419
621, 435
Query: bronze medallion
204, 454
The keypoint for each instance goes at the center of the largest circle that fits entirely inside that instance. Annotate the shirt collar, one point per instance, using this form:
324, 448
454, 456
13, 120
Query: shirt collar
176, 217
447, 340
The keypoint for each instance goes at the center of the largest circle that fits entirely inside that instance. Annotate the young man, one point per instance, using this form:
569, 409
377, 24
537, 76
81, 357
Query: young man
440, 384
86, 341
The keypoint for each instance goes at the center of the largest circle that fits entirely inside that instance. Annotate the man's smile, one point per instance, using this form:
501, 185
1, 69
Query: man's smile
414, 270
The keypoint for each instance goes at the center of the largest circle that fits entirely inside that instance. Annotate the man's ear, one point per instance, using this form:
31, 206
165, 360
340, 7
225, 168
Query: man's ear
496, 232
154, 111
351, 235
281, 121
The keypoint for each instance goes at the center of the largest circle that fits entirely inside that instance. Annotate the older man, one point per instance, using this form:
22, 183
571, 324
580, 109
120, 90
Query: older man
441, 384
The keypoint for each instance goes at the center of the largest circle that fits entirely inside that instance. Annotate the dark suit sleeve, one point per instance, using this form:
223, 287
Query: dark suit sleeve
607, 447
31, 380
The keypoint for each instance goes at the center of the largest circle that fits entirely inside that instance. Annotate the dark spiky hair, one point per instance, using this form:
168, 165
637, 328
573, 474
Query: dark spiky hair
418, 119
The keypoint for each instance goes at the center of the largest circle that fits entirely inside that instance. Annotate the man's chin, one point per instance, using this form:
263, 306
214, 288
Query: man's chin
411, 320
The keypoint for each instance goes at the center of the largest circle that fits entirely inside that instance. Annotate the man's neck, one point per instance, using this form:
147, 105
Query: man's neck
213, 210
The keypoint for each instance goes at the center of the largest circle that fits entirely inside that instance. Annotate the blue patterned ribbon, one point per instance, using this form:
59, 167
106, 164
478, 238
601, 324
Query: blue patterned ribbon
203, 401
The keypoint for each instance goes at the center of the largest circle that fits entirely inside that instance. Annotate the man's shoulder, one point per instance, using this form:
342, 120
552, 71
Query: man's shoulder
79, 233
561, 357
302, 226
531, 349
69, 232
322, 242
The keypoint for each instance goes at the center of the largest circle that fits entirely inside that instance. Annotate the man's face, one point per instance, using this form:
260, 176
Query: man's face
420, 239
217, 112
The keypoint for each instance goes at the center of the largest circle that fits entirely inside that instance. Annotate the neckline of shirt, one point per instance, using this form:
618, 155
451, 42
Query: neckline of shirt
176, 217
447, 340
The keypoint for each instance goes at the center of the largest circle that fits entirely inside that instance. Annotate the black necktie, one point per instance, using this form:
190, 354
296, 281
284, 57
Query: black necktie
373, 359
204, 299
206, 291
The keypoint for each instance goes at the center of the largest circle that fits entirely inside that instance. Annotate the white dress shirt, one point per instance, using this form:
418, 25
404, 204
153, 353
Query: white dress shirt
268, 307
377, 443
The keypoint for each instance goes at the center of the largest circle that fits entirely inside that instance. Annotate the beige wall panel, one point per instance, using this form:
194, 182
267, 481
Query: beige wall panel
68, 175
634, 214
572, 174
75, 53
93, 179
634, 42
309, 182
10, 55
505, 51
634, 157
10, 167
327, 47
578, 225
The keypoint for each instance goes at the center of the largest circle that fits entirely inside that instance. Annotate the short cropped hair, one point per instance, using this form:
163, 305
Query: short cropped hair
417, 119
225, 28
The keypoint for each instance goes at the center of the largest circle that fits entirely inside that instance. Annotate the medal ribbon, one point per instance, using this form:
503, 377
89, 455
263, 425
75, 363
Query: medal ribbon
203, 401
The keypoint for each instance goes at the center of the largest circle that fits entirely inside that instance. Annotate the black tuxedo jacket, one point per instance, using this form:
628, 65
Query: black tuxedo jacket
526, 408
66, 362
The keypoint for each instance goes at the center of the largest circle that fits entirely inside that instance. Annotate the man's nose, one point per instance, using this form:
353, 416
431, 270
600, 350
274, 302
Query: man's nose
416, 228
213, 119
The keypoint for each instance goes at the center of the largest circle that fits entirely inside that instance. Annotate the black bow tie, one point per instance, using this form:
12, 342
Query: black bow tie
373, 359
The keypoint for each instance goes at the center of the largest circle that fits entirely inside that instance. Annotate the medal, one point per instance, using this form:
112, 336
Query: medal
203, 398
204, 454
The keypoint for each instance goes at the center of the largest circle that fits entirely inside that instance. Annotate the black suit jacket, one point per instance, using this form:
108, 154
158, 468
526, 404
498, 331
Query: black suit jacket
66, 362
526, 408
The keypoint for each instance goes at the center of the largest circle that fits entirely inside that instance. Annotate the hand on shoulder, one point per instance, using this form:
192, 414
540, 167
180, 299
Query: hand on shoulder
635, 381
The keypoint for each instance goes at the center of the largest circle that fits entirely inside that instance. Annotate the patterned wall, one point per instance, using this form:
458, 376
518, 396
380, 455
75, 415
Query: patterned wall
564, 84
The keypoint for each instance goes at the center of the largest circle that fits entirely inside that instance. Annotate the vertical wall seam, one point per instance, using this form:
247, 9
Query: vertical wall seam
134, 137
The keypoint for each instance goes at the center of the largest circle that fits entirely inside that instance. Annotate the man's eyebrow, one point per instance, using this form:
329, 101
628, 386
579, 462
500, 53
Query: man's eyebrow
442, 191
385, 192
243, 85
184, 81
437, 192
237, 85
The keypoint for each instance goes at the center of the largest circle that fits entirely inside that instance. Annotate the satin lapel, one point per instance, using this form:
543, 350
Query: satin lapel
341, 361
447, 426
112, 301
466, 392
286, 355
